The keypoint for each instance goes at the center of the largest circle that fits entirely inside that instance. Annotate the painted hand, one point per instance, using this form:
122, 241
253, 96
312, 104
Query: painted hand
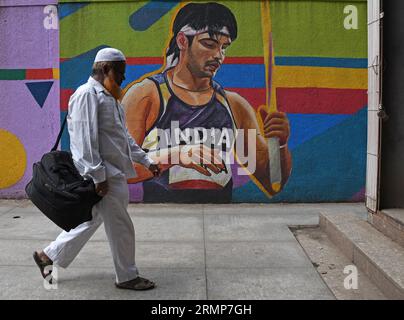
276, 124
201, 158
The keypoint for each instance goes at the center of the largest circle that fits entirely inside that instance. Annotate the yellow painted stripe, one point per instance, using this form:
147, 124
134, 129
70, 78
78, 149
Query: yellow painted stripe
266, 29
319, 77
56, 73
266, 23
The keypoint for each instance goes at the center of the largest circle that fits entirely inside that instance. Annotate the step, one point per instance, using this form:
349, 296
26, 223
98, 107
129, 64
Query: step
390, 222
379, 257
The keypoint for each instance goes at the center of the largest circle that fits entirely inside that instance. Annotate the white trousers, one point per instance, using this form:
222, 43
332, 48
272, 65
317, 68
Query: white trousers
112, 210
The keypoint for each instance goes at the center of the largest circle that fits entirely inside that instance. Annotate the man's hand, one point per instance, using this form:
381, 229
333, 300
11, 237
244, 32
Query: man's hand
155, 169
101, 188
276, 124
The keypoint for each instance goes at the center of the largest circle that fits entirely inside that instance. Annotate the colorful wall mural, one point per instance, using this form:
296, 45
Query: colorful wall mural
29, 89
318, 79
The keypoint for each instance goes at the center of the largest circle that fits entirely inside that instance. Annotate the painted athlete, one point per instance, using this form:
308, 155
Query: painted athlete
181, 113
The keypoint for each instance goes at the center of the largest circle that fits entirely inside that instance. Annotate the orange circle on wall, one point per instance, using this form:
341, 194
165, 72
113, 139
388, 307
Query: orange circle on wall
13, 159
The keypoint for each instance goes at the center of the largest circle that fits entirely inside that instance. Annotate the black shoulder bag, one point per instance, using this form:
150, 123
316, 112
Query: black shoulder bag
58, 189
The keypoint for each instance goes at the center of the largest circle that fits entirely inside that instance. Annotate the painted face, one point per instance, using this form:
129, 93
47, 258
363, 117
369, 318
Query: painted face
206, 54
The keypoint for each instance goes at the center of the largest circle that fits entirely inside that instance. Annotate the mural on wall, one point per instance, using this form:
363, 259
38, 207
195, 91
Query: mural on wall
29, 89
182, 110
315, 73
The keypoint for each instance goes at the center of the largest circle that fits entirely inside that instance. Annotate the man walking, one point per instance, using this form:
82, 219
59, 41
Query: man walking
103, 150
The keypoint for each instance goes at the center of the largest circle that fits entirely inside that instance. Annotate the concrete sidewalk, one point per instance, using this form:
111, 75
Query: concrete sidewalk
235, 251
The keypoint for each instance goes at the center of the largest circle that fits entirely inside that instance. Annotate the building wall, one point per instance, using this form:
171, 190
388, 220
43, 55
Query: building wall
29, 90
392, 147
319, 77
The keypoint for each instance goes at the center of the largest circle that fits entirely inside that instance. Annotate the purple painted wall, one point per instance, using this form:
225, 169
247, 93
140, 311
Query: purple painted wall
16, 3
29, 91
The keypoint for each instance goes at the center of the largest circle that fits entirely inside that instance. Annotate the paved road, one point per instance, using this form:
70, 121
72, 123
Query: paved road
237, 251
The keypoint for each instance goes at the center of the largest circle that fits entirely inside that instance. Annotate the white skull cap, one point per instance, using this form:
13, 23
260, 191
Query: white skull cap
109, 54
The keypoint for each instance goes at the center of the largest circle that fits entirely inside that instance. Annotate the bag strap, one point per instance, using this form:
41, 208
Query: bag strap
60, 134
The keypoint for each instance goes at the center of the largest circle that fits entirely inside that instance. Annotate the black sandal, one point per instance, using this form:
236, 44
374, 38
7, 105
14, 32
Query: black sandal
138, 283
42, 265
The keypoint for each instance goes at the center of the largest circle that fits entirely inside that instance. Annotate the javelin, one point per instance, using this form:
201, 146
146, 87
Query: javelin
275, 172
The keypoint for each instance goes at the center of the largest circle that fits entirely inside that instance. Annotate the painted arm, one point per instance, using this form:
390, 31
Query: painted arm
275, 125
141, 103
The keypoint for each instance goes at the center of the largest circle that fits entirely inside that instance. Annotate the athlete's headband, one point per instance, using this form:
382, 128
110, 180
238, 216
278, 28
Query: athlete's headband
189, 31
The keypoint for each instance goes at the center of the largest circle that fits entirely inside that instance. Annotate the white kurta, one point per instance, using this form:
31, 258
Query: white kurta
99, 140
102, 149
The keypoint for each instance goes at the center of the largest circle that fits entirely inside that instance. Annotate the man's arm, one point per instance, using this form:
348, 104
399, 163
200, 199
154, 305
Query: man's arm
83, 131
137, 153
274, 125
140, 156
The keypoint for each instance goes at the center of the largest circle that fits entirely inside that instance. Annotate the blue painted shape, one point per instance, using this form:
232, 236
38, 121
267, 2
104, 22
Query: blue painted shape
328, 167
137, 71
241, 76
40, 90
150, 13
229, 75
75, 71
65, 140
304, 127
322, 62
66, 9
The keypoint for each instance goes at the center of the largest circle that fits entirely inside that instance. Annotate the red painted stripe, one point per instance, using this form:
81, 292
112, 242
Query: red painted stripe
255, 96
64, 98
244, 60
160, 60
36, 74
320, 100
144, 60
195, 184
291, 100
